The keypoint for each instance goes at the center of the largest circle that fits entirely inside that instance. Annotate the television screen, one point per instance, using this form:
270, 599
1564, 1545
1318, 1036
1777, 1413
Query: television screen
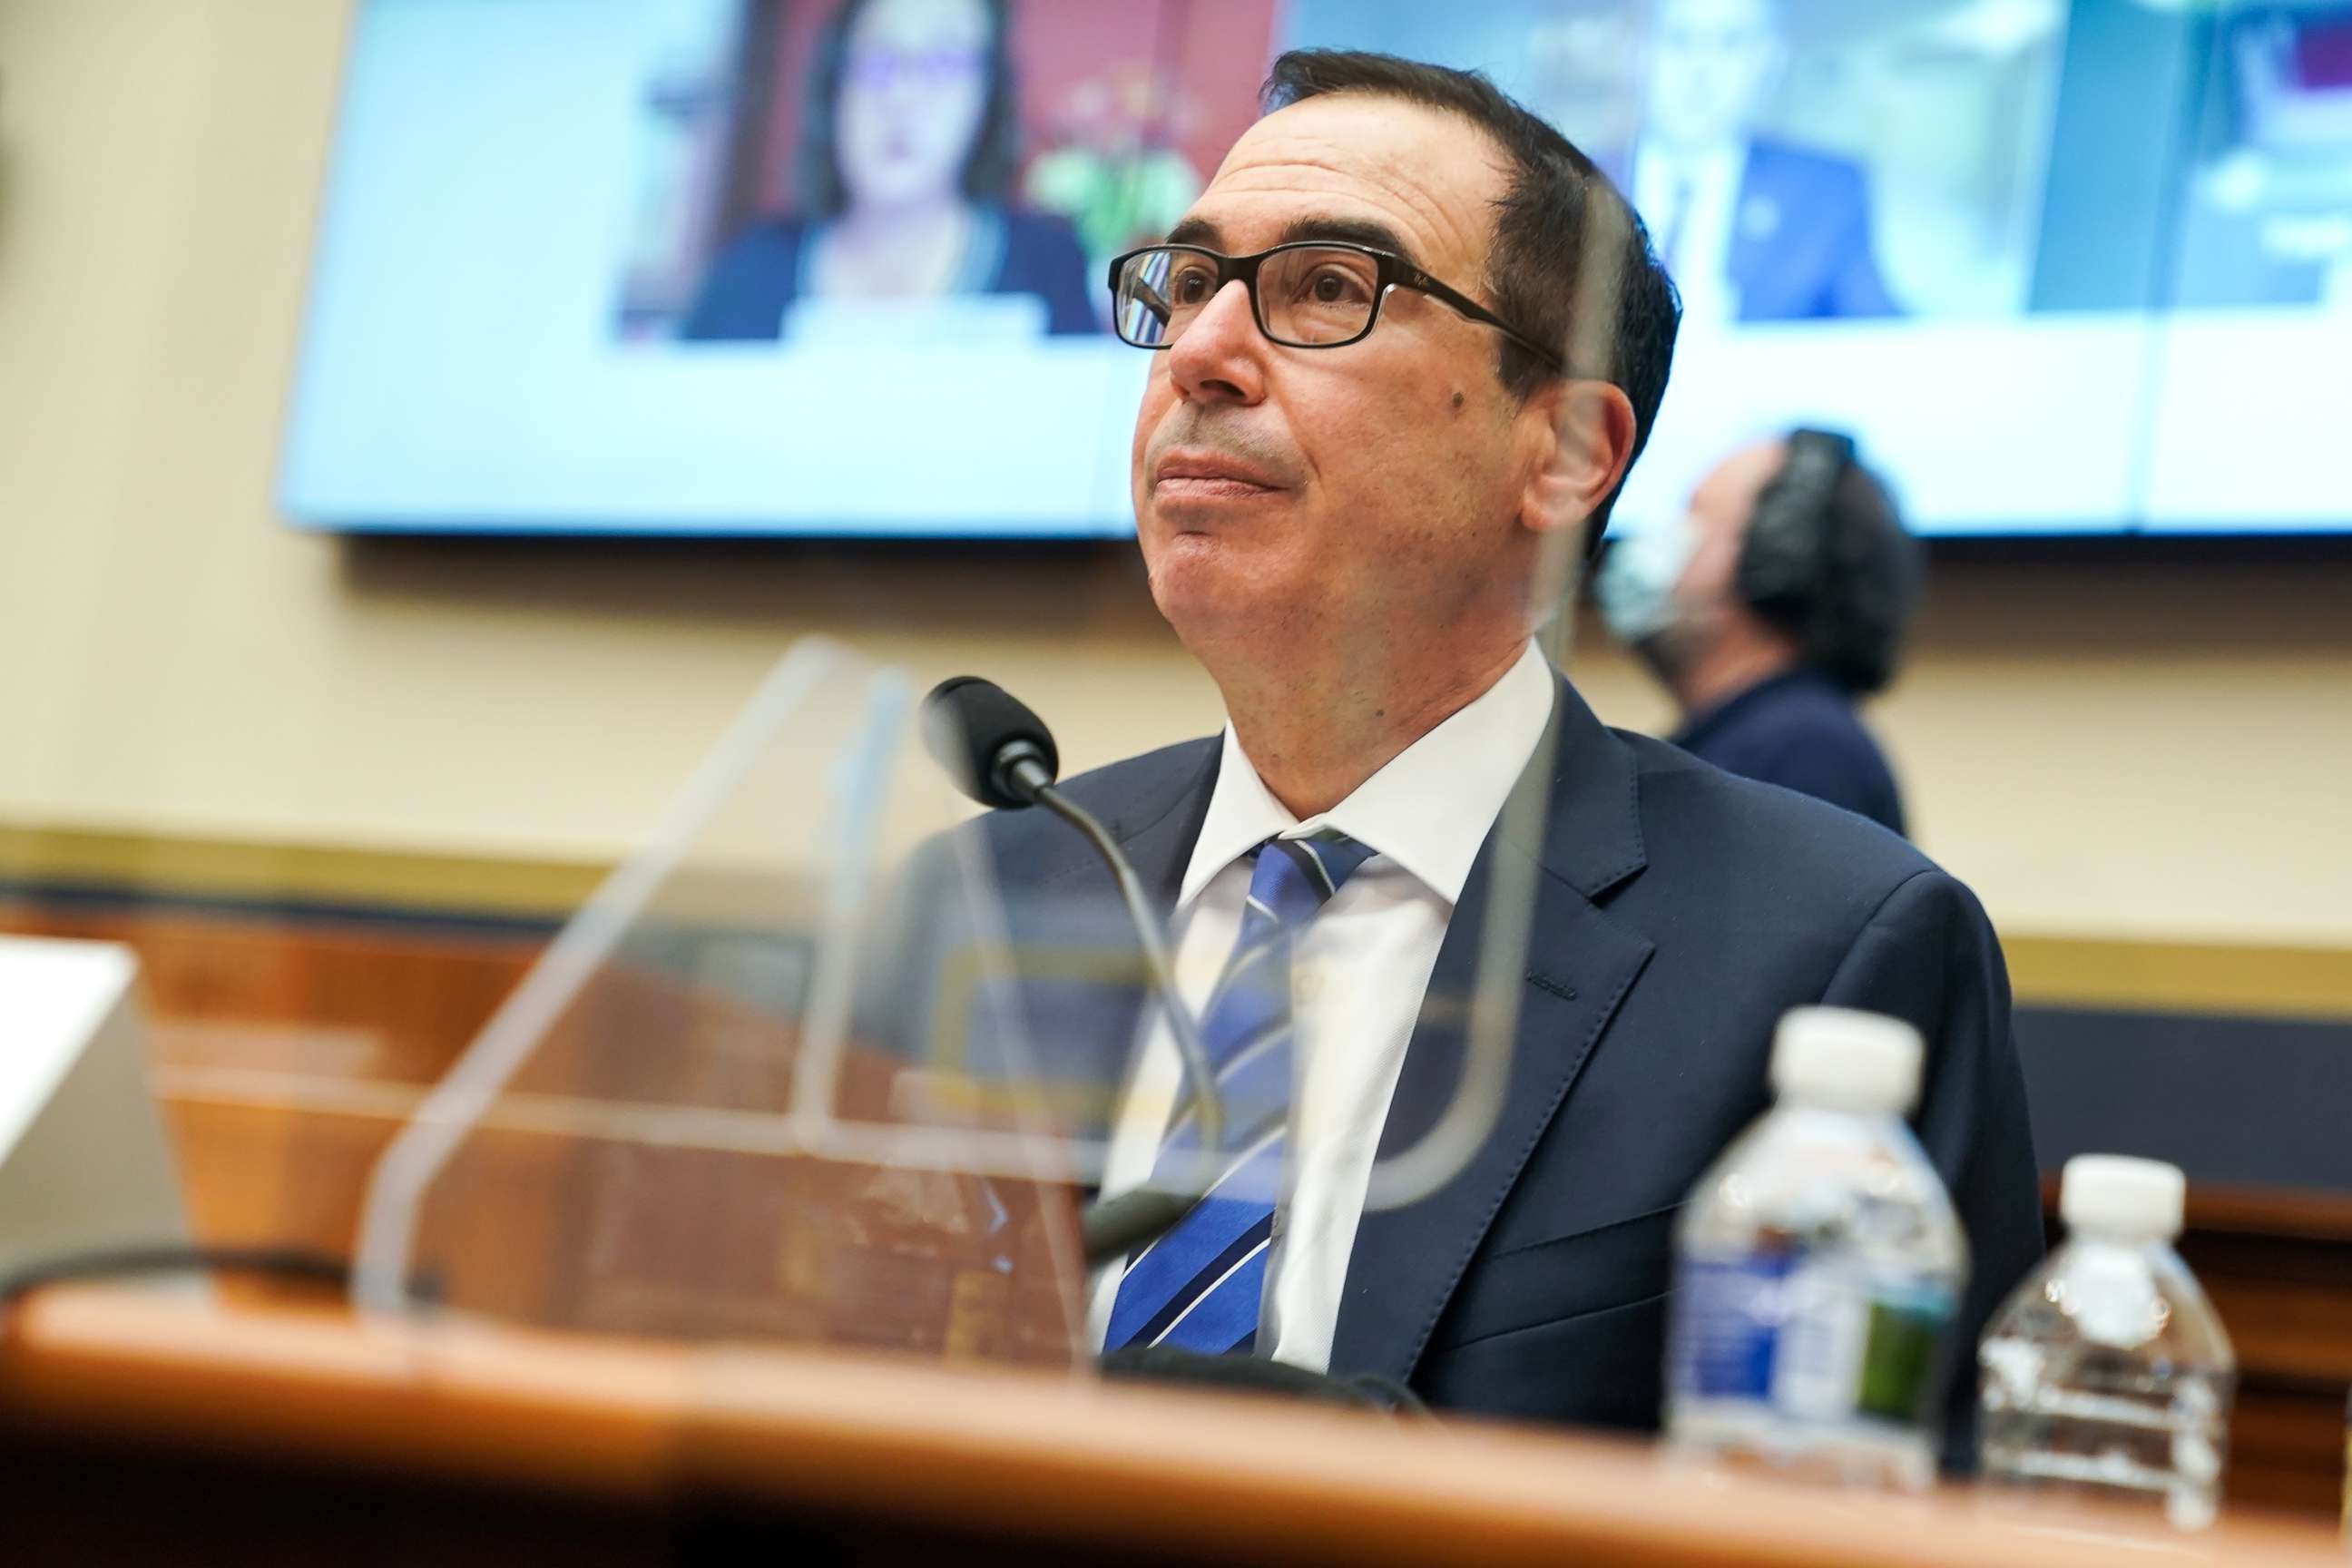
837, 266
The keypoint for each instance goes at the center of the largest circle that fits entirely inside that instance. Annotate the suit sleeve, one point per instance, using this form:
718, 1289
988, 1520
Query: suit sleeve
1929, 955
1856, 288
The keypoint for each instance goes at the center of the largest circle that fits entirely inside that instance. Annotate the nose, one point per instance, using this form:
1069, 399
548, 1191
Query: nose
1221, 358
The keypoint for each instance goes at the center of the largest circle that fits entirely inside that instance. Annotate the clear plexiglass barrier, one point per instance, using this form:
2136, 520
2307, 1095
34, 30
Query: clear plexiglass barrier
837, 1058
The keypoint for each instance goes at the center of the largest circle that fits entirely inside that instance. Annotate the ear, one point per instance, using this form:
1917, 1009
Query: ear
1581, 433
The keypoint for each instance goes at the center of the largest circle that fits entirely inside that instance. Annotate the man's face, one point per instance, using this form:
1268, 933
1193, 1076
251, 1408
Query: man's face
1711, 62
1674, 589
1720, 511
1280, 490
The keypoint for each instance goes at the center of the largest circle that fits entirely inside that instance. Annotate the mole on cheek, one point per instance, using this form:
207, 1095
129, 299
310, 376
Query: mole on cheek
1457, 400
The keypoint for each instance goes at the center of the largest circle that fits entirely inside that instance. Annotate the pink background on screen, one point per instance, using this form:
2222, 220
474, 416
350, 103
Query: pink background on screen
1215, 50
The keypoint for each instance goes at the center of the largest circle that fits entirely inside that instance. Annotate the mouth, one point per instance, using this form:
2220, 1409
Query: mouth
1210, 476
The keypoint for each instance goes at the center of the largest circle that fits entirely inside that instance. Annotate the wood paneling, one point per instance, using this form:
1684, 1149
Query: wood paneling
391, 1001
235, 995
2278, 1267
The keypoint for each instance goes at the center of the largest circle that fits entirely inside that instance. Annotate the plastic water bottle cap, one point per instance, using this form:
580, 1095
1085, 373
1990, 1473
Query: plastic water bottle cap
2116, 1191
1854, 1061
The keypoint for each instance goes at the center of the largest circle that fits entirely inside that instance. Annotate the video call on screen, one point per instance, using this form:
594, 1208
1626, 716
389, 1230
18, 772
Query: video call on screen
753, 266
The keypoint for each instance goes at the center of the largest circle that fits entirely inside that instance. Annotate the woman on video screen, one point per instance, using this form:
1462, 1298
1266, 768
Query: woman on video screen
907, 154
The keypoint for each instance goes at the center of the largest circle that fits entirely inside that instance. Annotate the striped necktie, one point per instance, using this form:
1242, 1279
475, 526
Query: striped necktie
1198, 1287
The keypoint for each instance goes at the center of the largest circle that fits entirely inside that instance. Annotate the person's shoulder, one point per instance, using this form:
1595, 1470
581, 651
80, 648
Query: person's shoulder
766, 241
1743, 838
1791, 164
1043, 256
1042, 247
747, 283
1815, 718
1029, 227
1135, 782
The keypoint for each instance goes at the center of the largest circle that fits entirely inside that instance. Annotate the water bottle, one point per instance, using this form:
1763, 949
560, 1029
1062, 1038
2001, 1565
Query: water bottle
2107, 1374
1818, 1264
2347, 1474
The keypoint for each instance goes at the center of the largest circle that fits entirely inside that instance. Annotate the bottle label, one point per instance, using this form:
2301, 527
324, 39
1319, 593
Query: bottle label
1727, 1328
1815, 1340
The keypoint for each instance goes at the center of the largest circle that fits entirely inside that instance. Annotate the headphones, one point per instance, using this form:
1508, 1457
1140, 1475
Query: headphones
1830, 582
1789, 554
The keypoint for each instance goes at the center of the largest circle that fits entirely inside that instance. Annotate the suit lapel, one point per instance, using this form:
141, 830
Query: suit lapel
1407, 1261
1161, 848
1084, 979
1156, 829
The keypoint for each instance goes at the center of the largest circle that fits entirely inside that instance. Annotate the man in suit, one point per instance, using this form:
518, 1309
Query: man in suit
1775, 605
1350, 456
1752, 229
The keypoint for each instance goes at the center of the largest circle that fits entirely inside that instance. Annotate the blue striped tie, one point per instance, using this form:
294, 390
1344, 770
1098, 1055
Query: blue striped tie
1198, 1287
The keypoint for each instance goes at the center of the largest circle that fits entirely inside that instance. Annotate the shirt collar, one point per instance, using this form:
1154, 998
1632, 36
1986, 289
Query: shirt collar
1428, 810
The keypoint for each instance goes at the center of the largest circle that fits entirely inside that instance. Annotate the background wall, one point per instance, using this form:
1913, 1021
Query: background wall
2106, 743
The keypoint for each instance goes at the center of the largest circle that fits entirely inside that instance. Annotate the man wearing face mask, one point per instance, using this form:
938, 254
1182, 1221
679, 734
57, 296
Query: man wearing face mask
1769, 609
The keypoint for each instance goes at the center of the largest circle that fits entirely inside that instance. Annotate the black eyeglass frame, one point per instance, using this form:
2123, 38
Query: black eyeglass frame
1394, 272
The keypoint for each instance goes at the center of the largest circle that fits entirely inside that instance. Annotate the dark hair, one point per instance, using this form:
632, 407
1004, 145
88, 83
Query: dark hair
987, 167
1874, 570
1571, 263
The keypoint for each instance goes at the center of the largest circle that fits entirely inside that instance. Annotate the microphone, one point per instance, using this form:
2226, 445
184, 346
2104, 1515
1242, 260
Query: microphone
996, 749
1001, 755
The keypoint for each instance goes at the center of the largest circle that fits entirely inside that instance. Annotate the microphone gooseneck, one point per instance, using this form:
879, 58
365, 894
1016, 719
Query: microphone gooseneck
1117, 1226
1208, 1108
1001, 754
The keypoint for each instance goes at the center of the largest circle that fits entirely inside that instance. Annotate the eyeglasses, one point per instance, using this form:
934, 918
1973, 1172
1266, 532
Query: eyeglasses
1311, 294
879, 69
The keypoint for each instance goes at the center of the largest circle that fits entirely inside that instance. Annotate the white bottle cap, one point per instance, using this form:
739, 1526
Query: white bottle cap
1853, 1061
2116, 1191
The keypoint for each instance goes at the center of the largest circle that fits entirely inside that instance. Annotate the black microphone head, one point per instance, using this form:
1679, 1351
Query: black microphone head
976, 730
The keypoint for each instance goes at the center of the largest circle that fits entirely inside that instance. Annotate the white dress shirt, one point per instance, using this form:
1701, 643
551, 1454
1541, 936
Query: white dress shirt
1358, 973
1690, 202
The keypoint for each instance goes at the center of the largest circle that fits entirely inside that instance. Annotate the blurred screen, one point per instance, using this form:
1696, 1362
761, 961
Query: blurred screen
759, 266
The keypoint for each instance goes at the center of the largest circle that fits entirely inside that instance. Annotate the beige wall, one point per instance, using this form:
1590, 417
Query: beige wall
2105, 744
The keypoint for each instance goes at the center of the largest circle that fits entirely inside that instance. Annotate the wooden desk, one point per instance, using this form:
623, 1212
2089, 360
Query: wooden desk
386, 1007
141, 1428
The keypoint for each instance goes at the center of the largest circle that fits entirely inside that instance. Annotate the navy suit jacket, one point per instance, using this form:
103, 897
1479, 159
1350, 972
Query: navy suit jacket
1801, 247
1679, 912
1799, 730
758, 276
